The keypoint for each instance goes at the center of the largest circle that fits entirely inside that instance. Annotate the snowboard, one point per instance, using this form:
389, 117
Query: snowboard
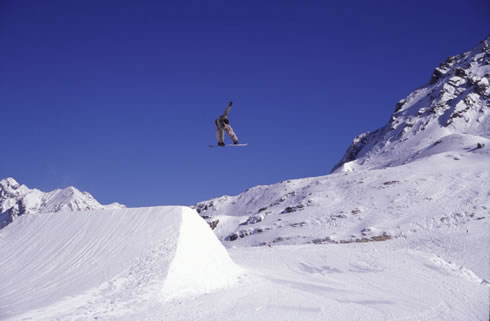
230, 145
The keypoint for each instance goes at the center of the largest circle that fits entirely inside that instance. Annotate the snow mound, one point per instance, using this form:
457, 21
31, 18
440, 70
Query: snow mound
57, 262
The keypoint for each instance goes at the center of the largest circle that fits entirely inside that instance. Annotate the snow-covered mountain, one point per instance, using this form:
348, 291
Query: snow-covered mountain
452, 108
428, 168
17, 199
422, 188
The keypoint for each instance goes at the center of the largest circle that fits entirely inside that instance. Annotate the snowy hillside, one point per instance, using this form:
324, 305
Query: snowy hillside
427, 168
17, 199
446, 191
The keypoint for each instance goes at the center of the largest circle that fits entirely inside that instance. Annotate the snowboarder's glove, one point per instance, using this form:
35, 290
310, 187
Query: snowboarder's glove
229, 104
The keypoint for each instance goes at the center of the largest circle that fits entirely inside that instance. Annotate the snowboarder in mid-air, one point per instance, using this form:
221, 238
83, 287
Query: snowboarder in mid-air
222, 126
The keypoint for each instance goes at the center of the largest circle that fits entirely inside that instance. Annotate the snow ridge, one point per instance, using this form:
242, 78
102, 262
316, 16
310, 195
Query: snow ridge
17, 199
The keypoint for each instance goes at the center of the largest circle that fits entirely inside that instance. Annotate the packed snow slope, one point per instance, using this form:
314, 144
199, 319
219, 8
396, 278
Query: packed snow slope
17, 199
117, 260
378, 281
130, 265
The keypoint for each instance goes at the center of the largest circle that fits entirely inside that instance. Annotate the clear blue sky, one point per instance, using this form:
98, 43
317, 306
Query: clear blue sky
118, 98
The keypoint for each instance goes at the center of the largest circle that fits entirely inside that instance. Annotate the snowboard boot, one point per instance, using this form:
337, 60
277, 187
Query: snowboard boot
235, 142
221, 144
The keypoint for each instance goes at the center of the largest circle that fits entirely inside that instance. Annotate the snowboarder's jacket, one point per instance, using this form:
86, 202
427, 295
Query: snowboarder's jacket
223, 125
223, 119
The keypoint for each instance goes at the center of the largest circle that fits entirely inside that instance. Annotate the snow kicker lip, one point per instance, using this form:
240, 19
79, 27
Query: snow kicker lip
125, 253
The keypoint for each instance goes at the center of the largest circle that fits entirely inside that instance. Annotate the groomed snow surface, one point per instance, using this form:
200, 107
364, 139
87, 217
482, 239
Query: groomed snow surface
110, 264
164, 263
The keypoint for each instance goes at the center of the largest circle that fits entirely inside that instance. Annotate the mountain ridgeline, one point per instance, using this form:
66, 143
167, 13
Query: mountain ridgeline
17, 199
454, 101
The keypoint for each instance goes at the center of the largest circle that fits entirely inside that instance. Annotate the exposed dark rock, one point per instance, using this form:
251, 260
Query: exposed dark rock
378, 238
437, 142
338, 216
323, 240
254, 219
232, 237
213, 224
291, 209
358, 144
391, 182
482, 87
460, 72
399, 105
288, 210
436, 75
299, 224
203, 207
244, 233
279, 239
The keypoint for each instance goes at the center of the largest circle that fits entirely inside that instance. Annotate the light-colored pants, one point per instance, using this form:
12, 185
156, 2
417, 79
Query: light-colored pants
220, 134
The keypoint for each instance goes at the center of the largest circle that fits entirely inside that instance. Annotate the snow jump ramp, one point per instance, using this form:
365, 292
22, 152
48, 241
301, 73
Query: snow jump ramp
57, 261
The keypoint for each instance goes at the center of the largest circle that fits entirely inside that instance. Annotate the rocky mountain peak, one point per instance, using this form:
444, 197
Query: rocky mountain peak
9, 183
455, 101
17, 200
